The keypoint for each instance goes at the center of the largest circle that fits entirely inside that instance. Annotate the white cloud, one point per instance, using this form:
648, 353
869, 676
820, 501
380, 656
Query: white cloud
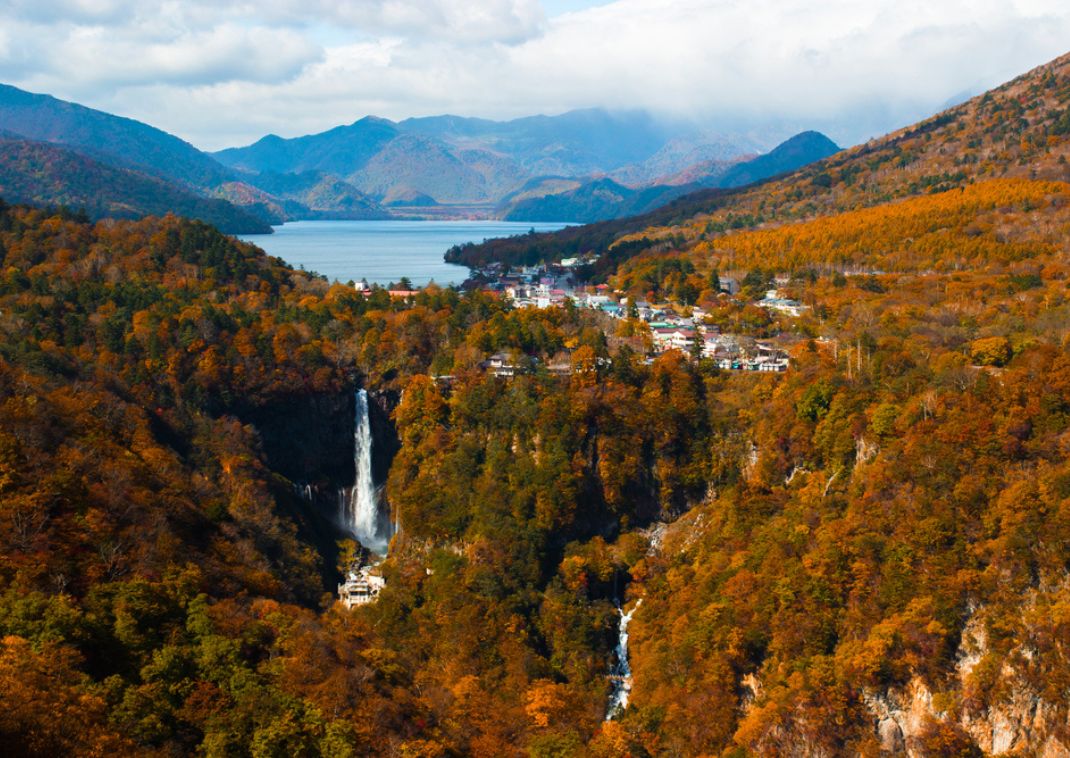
221, 74
223, 53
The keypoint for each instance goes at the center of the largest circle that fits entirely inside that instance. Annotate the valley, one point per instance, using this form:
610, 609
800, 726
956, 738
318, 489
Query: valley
776, 466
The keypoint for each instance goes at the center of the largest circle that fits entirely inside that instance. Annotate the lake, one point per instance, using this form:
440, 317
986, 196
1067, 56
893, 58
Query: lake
383, 251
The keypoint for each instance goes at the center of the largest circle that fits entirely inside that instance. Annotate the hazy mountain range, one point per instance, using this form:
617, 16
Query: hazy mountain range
457, 160
579, 166
603, 199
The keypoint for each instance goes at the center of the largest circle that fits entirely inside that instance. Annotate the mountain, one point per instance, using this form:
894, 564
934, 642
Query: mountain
382, 161
593, 201
801, 150
604, 199
115, 143
316, 194
340, 151
36, 172
124, 153
862, 553
456, 160
574, 143
712, 152
112, 139
363, 168
577, 142
414, 164
1003, 133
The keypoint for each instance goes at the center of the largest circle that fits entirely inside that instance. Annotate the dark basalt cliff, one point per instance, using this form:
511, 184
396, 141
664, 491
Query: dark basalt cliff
308, 441
385, 442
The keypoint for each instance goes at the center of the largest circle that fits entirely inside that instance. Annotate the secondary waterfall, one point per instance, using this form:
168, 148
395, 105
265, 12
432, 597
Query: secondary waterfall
621, 674
359, 504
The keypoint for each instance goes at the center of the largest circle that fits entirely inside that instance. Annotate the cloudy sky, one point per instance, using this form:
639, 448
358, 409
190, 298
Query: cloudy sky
222, 74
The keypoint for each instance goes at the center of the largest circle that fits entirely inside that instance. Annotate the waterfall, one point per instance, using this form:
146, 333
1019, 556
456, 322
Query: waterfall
359, 504
620, 674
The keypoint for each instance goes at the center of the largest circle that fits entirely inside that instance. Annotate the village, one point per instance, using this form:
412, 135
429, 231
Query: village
670, 326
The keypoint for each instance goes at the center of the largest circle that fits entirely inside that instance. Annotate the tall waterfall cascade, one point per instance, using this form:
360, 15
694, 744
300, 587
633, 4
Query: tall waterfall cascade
358, 504
620, 675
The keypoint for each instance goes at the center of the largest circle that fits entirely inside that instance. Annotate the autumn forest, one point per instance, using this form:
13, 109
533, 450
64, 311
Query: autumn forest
867, 554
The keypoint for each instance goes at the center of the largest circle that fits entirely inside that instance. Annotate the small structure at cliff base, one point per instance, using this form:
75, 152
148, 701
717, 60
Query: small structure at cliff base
360, 587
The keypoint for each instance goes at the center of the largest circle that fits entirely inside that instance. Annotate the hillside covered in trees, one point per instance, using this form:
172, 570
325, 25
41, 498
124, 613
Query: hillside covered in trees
36, 172
866, 554
1018, 130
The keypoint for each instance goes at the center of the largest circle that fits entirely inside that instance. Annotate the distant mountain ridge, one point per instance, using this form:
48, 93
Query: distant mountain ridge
532, 168
604, 199
801, 150
188, 180
340, 150
457, 160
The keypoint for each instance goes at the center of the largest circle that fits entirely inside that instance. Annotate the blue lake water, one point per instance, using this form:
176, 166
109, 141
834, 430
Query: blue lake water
383, 251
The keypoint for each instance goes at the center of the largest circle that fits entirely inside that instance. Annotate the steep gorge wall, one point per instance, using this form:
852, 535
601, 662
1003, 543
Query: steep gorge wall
309, 441
1001, 703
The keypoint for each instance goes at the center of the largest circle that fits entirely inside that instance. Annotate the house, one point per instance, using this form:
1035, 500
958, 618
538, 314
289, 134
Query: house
720, 347
500, 364
673, 338
504, 365
776, 364
360, 587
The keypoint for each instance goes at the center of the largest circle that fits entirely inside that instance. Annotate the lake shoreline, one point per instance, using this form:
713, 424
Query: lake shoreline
474, 212
385, 251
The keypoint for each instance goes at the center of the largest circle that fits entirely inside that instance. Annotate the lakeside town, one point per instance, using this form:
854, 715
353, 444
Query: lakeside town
671, 327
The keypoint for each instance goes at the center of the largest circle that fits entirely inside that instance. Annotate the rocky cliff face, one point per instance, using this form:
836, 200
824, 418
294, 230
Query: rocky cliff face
309, 440
1004, 692
385, 442
997, 701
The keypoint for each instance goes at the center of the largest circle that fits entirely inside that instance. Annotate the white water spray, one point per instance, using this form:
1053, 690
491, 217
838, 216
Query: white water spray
359, 504
620, 675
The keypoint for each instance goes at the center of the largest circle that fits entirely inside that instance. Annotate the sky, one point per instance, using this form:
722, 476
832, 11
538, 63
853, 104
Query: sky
225, 74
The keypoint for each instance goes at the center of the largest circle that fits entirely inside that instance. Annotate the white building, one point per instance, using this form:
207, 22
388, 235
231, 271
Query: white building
360, 587
774, 302
501, 364
673, 338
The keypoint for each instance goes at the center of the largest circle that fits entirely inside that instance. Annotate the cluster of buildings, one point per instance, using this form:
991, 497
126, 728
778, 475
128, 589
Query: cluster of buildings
731, 352
554, 285
507, 365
